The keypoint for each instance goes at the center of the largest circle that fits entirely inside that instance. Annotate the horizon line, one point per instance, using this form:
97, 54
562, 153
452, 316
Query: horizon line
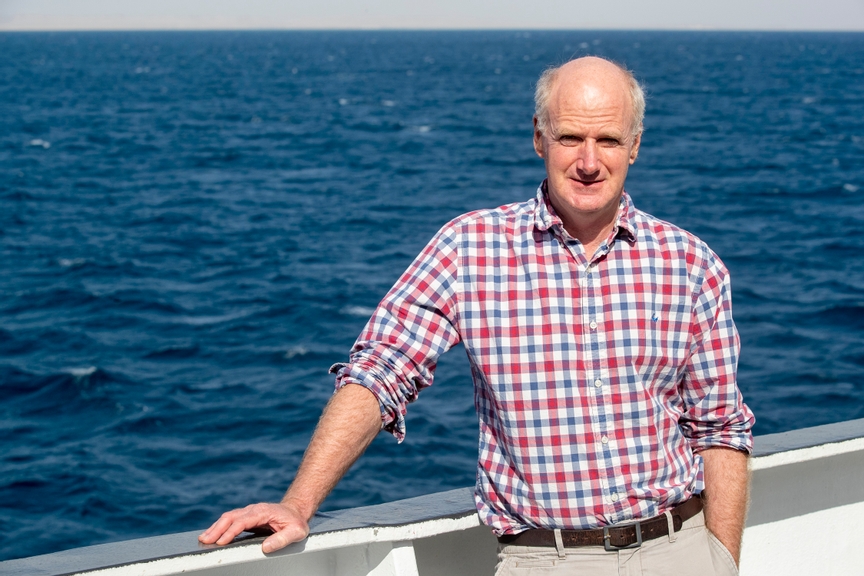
423, 29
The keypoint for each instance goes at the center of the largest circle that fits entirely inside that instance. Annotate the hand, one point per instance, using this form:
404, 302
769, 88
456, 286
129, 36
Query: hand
286, 521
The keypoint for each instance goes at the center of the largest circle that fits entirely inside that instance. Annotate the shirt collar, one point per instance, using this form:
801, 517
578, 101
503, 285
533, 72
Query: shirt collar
545, 216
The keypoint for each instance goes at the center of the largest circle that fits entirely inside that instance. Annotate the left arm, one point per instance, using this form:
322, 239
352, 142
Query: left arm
717, 421
726, 495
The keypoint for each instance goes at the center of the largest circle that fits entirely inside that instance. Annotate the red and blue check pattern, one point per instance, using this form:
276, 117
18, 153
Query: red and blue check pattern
597, 381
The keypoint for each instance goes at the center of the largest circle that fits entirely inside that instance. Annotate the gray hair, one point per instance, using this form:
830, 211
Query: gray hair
544, 91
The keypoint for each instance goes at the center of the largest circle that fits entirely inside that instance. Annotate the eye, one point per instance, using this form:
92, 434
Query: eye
567, 140
609, 142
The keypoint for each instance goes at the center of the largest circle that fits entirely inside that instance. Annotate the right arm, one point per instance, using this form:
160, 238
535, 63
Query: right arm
348, 425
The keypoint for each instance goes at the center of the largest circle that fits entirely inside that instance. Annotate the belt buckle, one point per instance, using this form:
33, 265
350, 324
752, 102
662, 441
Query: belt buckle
607, 538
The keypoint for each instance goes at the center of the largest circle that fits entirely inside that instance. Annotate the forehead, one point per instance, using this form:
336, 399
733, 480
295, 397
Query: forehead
592, 100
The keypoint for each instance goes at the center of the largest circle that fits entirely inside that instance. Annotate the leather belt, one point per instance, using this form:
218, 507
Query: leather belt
613, 537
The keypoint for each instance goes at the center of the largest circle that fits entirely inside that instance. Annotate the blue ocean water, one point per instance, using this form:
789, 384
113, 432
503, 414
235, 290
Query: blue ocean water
194, 226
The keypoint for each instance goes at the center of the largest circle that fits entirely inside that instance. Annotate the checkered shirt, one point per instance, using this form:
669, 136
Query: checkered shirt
597, 381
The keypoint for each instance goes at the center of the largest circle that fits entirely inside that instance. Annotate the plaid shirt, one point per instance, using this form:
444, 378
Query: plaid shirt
596, 381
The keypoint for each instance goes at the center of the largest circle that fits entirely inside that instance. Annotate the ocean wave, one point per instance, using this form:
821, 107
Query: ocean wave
173, 352
80, 373
295, 352
847, 316
64, 389
363, 311
71, 262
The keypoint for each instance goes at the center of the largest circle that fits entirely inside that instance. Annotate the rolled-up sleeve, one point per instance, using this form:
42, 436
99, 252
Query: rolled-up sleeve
396, 353
715, 411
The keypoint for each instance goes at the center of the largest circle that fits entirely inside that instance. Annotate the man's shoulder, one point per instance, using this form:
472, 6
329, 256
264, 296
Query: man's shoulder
653, 227
673, 240
500, 219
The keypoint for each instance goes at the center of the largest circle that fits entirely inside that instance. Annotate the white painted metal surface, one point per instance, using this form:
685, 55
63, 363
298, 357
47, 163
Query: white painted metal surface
373, 551
805, 519
806, 512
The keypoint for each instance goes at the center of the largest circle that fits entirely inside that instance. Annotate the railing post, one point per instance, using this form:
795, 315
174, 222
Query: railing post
401, 561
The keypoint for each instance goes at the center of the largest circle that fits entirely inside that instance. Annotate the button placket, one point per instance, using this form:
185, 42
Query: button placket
605, 447
600, 416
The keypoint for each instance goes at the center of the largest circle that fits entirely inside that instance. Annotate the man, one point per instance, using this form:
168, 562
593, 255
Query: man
603, 354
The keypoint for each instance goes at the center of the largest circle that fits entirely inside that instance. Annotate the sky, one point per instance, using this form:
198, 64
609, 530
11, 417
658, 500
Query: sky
431, 14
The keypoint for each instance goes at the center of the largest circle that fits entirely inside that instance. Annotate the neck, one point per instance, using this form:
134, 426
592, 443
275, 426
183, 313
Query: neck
590, 229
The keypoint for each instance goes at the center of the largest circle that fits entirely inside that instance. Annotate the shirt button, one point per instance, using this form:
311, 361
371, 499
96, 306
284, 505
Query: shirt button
593, 325
614, 497
604, 440
598, 382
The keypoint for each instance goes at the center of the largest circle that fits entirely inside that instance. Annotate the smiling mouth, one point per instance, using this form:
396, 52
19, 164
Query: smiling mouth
589, 182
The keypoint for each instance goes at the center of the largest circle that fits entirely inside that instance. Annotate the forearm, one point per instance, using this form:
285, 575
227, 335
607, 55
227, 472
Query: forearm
348, 425
726, 495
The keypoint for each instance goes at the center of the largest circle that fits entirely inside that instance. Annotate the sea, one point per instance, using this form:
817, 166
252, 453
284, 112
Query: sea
196, 225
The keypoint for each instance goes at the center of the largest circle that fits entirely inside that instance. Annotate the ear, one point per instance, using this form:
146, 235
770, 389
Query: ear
538, 140
634, 150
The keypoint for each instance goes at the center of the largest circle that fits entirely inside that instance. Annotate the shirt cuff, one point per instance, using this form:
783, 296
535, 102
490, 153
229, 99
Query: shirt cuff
741, 442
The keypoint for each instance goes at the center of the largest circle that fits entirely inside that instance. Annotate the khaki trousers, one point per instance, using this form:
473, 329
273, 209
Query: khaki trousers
694, 552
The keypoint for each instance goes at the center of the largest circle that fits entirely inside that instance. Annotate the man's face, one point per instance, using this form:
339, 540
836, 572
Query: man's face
588, 146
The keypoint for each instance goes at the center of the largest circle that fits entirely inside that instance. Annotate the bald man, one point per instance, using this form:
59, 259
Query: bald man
613, 436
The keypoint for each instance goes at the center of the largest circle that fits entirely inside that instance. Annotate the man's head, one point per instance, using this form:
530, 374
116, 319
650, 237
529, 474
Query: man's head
587, 128
547, 79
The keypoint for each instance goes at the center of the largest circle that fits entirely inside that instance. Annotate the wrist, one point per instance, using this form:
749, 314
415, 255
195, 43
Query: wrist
299, 506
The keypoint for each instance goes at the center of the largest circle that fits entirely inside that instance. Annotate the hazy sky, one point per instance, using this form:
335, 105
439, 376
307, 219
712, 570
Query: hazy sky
458, 14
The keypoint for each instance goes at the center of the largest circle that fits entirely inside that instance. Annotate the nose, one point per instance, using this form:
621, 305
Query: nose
587, 160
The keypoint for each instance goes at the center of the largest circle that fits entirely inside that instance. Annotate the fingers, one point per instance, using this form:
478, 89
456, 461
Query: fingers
232, 523
289, 525
216, 530
234, 530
